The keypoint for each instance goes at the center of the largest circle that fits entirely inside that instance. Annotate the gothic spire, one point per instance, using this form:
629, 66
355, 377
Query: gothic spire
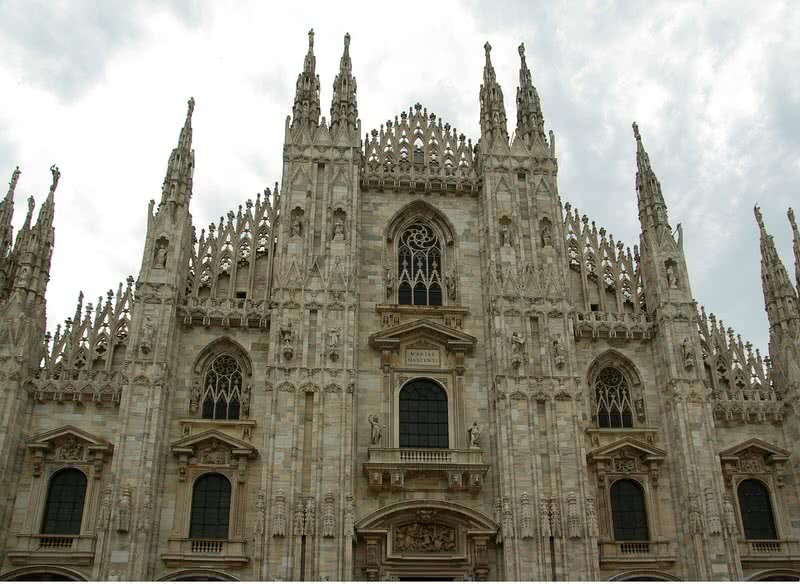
306, 107
46, 212
7, 214
177, 187
530, 121
344, 109
493, 111
795, 246
779, 295
652, 208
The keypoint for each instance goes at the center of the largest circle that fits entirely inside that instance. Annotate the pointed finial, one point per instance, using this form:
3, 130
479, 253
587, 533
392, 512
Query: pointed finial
488, 49
346, 40
521, 50
790, 215
190, 108
636, 132
311, 40
56, 175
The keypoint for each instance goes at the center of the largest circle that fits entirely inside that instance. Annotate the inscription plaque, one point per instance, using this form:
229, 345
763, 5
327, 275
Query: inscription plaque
423, 357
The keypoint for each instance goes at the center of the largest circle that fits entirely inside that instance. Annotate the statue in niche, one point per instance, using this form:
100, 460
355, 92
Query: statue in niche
334, 336
546, 233
505, 234
296, 227
161, 253
517, 342
374, 430
686, 353
22, 279
148, 331
388, 278
474, 434
558, 352
338, 230
672, 277
245, 406
287, 341
450, 283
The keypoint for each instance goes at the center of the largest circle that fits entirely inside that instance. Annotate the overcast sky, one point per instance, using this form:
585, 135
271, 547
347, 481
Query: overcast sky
100, 88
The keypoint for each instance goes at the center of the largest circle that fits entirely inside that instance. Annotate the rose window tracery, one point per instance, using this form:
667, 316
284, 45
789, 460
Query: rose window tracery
613, 400
222, 389
419, 267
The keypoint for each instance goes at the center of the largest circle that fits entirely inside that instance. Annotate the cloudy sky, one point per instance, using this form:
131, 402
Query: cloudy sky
100, 88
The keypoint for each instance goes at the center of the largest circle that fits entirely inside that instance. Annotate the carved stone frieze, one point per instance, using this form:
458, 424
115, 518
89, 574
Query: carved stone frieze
422, 537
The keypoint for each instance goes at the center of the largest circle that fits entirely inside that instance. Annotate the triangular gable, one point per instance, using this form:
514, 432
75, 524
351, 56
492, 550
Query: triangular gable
46, 439
188, 445
454, 339
771, 452
644, 450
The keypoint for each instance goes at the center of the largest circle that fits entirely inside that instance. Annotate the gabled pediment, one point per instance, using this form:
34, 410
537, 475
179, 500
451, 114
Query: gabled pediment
69, 435
452, 338
213, 440
769, 451
627, 447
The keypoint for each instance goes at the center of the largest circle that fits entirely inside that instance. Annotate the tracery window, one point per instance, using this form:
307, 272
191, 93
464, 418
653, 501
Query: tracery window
628, 511
612, 399
65, 498
756, 509
211, 506
419, 265
223, 389
423, 416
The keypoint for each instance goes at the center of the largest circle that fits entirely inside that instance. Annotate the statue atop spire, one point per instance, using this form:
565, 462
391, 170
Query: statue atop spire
344, 107
530, 121
652, 208
493, 110
177, 186
780, 298
306, 109
795, 246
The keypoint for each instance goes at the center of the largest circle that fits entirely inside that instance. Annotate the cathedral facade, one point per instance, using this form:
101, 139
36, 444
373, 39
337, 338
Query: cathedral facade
410, 360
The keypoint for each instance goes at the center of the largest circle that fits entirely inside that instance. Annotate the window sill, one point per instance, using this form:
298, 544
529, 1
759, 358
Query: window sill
772, 550
222, 552
454, 464
603, 436
74, 550
242, 428
614, 553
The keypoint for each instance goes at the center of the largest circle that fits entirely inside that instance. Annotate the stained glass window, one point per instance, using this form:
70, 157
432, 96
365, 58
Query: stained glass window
222, 389
612, 399
419, 267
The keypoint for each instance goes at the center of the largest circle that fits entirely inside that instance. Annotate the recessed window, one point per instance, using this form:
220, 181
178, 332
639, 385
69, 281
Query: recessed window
628, 511
756, 510
419, 265
423, 416
222, 389
241, 295
211, 507
612, 399
65, 498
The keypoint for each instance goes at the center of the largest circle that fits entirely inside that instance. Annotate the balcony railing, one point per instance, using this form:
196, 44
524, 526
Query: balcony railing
67, 549
769, 549
636, 551
463, 468
226, 551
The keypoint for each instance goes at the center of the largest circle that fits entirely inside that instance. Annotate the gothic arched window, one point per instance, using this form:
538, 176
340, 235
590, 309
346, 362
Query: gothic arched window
756, 509
419, 266
628, 511
64, 508
423, 416
612, 399
222, 393
211, 507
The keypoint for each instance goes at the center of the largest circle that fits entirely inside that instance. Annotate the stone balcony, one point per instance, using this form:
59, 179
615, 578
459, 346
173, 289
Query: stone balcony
763, 553
399, 463
224, 552
77, 550
653, 553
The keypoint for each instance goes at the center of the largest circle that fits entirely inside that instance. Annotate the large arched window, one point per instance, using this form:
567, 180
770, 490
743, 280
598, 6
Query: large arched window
419, 266
628, 511
64, 508
211, 506
222, 388
756, 509
612, 399
423, 416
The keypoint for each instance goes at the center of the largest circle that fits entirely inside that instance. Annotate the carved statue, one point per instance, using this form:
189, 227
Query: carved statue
547, 236
558, 352
245, 401
310, 520
374, 430
573, 518
296, 228
279, 515
730, 515
338, 230
328, 517
450, 283
695, 519
349, 516
505, 234
712, 514
298, 517
124, 511
194, 400
334, 336
287, 340
258, 526
526, 521
688, 355
148, 331
672, 277
388, 278
517, 342
591, 517
104, 514
161, 255
474, 434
